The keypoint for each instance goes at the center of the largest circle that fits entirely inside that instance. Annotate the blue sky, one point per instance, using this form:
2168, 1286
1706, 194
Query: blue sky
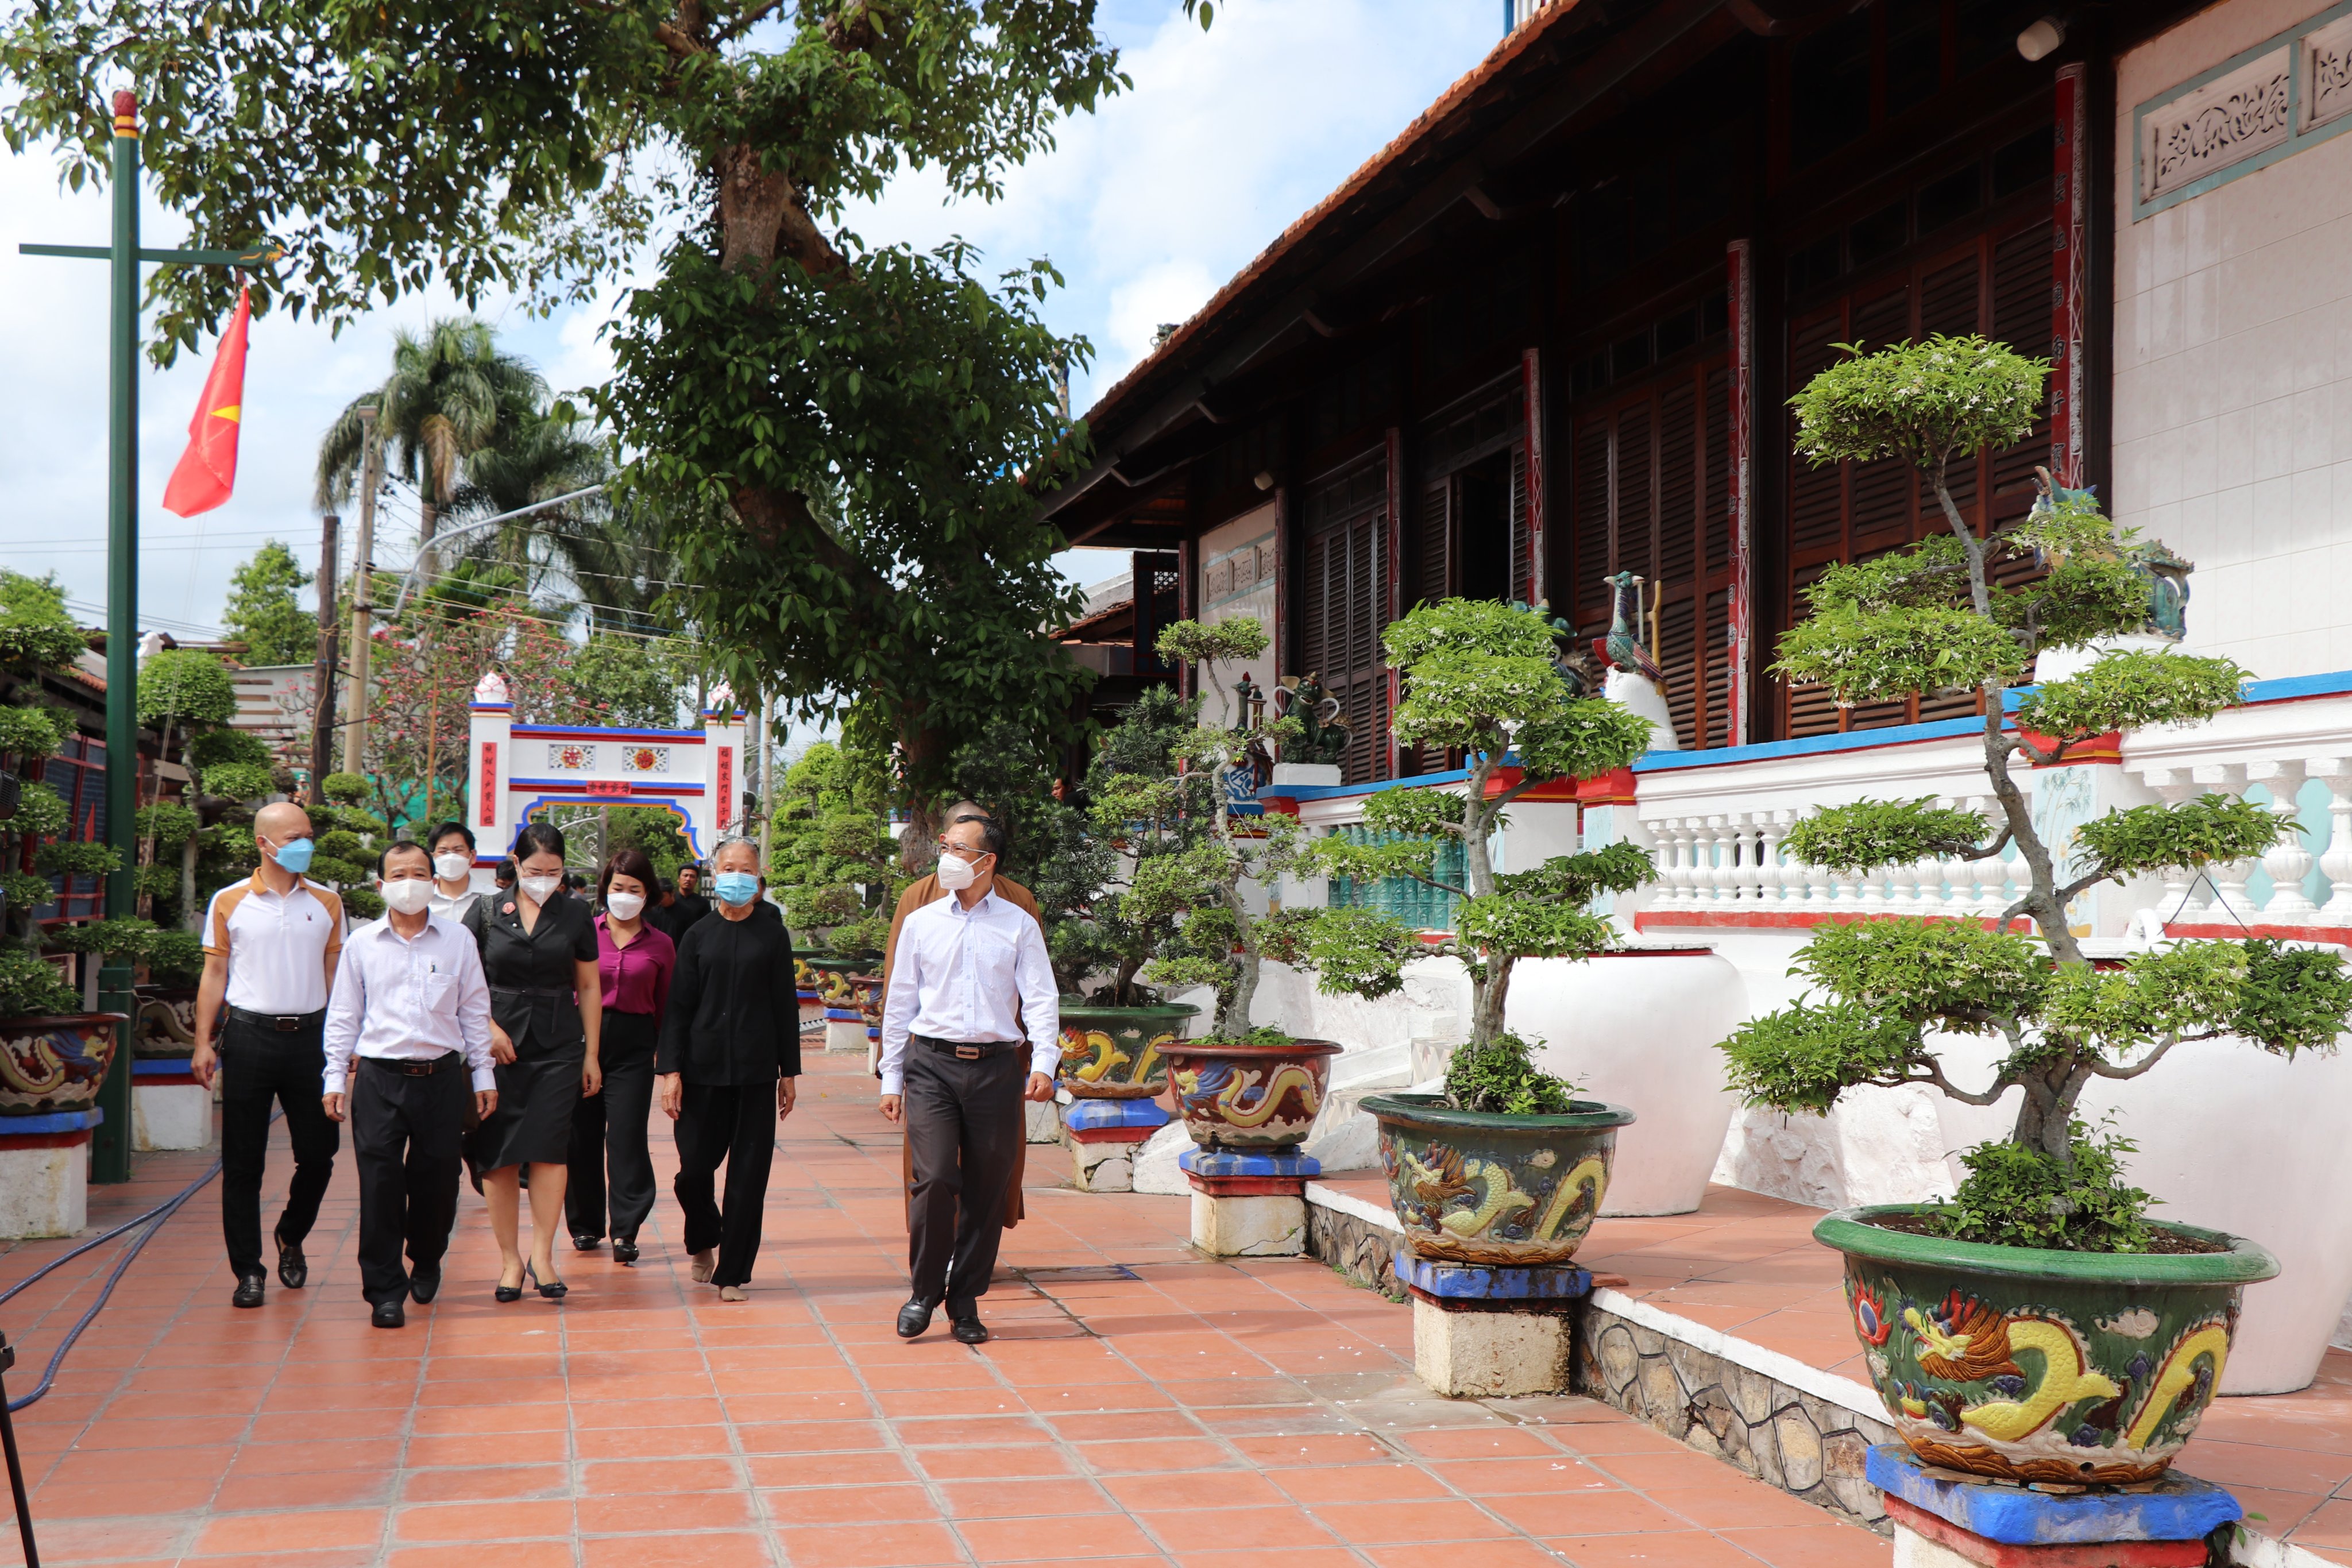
1146, 206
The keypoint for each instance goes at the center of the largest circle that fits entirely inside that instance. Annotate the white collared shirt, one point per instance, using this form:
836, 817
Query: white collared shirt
277, 947
409, 999
958, 975
452, 906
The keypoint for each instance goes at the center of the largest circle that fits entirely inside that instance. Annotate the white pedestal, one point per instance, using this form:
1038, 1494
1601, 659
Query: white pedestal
1913, 1549
44, 1191
1105, 1167
1044, 1122
844, 1035
1251, 1226
1485, 1355
171, 1116
1324, 775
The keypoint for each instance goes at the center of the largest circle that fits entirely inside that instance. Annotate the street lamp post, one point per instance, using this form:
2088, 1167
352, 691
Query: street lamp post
111, 1143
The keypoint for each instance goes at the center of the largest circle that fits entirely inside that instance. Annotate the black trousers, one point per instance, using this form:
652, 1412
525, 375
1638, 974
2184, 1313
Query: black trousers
964, 1130
610, 1128
405, 1133
735, 1122
259, 1065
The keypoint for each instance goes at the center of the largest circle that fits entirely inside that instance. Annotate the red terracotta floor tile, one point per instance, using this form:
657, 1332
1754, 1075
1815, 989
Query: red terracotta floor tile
297, 1529
1389, 1523
515, 1555
1024, 1539
486, 1483
914, 1545
740, 1548
849, 1505
667, 1512
1830, 1545
1236, 1529
966, 1464
1361, 1483
519, 1520
1661, 1549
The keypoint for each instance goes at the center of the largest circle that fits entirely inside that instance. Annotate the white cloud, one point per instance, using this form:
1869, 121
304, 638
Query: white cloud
1146, 206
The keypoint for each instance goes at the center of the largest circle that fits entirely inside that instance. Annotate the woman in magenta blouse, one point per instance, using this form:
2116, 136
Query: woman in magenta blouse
635, 962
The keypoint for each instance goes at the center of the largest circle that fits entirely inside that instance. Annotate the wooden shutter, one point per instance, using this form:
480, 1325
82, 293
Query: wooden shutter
1346, 601
1522, 539
1998, 283
1430, 553
1652, 483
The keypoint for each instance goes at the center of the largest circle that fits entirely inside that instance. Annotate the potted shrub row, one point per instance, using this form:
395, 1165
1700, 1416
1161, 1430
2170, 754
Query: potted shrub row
2039, 1326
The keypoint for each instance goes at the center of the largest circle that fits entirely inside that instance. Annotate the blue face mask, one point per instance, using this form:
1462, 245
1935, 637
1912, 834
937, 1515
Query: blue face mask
736, 887
295, 857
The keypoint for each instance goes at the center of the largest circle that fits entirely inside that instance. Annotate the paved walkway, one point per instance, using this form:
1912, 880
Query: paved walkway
1140, 1405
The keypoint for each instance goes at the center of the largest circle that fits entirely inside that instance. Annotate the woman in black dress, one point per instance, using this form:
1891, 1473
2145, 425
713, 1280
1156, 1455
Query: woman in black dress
539, 953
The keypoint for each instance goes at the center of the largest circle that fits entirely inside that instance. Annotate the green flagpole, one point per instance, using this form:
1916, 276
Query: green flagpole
109, 1154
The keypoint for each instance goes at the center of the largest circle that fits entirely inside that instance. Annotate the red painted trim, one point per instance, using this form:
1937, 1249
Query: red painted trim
1110, 1134
1791, 920
1532, 412
1248, 1186
2070, 268
2231, 931
44, 1140
2106, 748
1975, 1548
489, 809
1280, 804
162, 1079
1617, 788
1739, 266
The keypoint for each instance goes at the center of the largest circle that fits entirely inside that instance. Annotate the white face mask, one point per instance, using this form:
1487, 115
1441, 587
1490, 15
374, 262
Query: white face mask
625, 906
956, 873
542, 889
450, 867
408, 895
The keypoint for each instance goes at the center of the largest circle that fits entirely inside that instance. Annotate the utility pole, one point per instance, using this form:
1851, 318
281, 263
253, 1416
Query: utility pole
767, 780
322, 677
362, 597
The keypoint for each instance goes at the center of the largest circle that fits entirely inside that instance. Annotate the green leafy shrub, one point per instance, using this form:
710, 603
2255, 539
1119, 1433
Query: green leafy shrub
362, 902
2016, 1196
186, 687
169, 824
108, 939
175, 958
31, 989
157, 882
238, 781
1500, 1078
64, 857
212, 748
344, 789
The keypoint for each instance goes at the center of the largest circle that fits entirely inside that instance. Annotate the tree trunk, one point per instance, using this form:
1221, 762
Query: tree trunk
191, 917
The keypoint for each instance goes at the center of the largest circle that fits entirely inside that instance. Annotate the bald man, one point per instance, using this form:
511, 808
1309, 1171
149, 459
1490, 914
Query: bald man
927, 890
270, 946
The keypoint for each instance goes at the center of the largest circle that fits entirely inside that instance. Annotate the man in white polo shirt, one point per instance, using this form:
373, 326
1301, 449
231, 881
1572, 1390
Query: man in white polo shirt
270, 946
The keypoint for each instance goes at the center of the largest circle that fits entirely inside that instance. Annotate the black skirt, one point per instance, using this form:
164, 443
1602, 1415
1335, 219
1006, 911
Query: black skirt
532, 1125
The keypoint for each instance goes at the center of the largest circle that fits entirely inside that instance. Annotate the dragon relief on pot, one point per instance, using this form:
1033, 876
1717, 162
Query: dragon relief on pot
2024, 1395
1093, 1057
1473, 1208
1274, 1102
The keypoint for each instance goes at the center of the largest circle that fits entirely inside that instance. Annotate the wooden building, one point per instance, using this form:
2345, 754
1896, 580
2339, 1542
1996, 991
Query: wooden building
1547, 335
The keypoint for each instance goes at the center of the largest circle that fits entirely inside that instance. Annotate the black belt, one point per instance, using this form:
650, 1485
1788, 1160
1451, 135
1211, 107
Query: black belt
965, 1050
284, 1023
407, 1068
543, 992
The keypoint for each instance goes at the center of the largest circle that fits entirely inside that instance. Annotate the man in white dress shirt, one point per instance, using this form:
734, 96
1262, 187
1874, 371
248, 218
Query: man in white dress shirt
410, 1001
953, 1070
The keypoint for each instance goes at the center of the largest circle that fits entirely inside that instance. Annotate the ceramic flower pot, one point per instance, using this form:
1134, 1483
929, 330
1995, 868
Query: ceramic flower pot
1249, 1098
1639, 1026
1119, 1053
52, 1064
2029, 1364
1474, 1187
167, 1022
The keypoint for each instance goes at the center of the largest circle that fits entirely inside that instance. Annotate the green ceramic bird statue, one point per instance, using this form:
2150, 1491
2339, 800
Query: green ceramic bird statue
1623, 645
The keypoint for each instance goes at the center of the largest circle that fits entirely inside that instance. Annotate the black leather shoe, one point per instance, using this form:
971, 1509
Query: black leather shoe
424, 1287
969, 1331
914, 1318
584, 1242
390, 1315
293, 1268
624, 1252
248, 1291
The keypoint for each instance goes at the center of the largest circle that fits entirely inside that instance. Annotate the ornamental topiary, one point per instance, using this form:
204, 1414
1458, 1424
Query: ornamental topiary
36, 634
1936, 618
1481, 679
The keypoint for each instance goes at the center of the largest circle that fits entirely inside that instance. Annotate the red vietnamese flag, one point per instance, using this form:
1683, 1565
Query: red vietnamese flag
208, 472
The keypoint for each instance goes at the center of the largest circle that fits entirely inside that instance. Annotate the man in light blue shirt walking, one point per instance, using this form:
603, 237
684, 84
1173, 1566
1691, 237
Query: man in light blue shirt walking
969, 976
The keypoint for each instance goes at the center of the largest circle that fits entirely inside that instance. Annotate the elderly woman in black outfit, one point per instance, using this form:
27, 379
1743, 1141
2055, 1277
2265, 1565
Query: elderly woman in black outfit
731, 1040
538, 952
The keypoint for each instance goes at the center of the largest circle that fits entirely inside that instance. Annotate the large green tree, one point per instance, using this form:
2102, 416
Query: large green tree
264, 613
846, 440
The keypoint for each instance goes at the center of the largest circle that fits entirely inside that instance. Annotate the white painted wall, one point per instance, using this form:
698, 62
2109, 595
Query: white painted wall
2232, 434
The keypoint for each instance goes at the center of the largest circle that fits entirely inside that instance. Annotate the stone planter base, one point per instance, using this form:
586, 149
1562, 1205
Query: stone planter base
1942, 1520
1104, 1135
1249, 1224
1474, 1354
168, 1109
844, 1033
45, 1174
1043, 1120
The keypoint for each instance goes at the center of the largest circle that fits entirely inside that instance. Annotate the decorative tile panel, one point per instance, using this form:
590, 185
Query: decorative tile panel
2326, 75
638, 759
2229, 119
570, 756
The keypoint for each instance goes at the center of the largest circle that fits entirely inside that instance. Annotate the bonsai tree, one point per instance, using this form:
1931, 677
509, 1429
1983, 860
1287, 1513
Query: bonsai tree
1193, 888
187, 689
1935, 618
1480, 677
831, 857
1095, 924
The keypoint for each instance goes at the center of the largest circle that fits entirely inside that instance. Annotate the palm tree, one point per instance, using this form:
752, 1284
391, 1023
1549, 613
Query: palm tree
451, 394
605, 550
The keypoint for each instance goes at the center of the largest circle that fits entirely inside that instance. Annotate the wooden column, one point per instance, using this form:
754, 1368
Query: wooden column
1739, 266
1392, 591
2070, 267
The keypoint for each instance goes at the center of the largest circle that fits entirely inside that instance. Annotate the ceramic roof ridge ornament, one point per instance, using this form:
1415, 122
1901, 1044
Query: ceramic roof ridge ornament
491, 689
